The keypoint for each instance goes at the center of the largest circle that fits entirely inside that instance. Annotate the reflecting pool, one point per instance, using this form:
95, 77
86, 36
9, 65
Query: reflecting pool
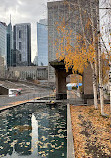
34, 131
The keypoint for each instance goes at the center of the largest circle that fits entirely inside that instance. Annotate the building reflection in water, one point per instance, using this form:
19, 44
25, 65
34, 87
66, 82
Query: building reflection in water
52, 131
34, 136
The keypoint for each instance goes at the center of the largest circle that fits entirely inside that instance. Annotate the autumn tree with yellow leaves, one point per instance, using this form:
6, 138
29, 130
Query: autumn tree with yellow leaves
75, 78
84, 51
77, 57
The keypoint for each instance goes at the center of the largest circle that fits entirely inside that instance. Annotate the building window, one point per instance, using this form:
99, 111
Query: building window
20, 57
20, 45
20, 33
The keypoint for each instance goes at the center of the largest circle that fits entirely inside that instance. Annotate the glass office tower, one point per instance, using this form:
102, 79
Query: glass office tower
9, 44
3, 42
42, 42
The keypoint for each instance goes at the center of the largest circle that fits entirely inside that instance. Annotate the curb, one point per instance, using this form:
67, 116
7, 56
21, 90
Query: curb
70, 142
12, 106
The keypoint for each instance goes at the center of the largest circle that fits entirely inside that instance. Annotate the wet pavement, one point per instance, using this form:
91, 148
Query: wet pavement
28, 92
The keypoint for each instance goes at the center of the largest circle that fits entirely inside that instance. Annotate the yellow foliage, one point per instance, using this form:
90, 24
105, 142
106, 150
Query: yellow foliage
88, 24
79, 55
74, 78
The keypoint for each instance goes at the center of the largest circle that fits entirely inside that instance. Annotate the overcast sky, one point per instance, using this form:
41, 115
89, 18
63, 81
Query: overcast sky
29, 11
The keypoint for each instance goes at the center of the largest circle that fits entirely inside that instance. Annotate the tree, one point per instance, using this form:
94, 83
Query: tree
84, 50
105, 49
75, 78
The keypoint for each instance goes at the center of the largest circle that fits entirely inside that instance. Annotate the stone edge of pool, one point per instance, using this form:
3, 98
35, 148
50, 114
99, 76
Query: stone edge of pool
13, 105
70, 142
18, 104
10, 106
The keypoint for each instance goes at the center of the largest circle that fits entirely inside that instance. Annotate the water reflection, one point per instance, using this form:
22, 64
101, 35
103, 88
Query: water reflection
34, 136
33, 131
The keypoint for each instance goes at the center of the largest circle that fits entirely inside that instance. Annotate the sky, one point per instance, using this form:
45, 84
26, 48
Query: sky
24, 11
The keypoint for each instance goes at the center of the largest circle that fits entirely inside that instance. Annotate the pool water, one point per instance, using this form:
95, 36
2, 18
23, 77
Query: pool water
34, 131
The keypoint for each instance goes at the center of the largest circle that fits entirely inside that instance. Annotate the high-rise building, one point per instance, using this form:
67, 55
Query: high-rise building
22, 42
35, 60
3, 42
42, 42
74, 14
9, 44
16, 58
2, 68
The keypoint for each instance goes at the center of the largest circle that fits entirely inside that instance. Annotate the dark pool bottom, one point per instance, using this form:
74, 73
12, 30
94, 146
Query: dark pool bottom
34, 131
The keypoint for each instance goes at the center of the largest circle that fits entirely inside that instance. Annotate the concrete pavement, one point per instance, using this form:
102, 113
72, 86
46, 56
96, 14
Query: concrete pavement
29, 92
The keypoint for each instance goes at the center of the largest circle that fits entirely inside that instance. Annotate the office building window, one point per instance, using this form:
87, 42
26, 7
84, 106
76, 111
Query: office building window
20, 33
20, 57
20, 45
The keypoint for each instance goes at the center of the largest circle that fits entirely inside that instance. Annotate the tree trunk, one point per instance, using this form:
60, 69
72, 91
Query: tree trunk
94, 88
110, 89
95, 69
101, 83
95, 94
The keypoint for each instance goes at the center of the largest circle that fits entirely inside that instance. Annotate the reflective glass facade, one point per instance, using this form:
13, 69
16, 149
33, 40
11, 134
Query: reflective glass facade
42, 43
9, 44
3, 42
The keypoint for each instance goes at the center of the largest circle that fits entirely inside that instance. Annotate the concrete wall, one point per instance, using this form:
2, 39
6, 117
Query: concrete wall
88, 86
88, 80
